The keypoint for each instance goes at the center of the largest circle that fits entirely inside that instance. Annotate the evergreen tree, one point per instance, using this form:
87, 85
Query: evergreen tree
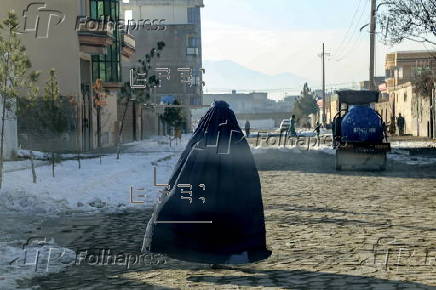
306, 104
173, 116
15, 77
53, 112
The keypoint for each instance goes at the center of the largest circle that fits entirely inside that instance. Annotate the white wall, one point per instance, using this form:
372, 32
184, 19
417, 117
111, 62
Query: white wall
258, 124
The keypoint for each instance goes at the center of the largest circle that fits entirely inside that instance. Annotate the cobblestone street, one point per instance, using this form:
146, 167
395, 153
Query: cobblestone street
327, 230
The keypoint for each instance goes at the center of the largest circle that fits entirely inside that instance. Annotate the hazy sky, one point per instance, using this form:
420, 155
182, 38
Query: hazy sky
276, 36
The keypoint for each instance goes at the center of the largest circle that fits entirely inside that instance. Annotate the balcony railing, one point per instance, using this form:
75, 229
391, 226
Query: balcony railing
128, 46
192, 51
95, 40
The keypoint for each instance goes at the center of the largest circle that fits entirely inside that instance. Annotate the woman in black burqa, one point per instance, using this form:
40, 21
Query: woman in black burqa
213, 211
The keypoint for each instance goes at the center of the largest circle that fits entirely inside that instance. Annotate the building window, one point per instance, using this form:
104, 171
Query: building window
128, 16
82, 7
107, 67
195, 101
405, 97
193, 41
194, 15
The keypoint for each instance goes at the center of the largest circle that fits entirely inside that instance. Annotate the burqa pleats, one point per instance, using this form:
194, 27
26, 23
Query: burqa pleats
213, 212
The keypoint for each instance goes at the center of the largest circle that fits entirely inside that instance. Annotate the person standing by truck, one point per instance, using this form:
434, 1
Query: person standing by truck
247, 128
401, 125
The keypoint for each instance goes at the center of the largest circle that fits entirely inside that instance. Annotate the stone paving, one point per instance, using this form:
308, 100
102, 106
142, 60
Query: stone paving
327, 230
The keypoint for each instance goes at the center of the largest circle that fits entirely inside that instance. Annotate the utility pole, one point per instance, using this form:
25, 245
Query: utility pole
373, 25
322, 55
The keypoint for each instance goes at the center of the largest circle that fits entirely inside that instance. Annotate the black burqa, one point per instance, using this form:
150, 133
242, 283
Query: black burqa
213, 212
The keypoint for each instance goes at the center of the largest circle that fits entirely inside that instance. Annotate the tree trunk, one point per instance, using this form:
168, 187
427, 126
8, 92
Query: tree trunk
2, 139
134, 121
120, 132
98, 127
78, 160
33, 167
4, 111
53, 164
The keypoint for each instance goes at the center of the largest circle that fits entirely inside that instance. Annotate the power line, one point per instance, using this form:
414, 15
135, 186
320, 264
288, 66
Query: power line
353, 40
353, 48
349, 27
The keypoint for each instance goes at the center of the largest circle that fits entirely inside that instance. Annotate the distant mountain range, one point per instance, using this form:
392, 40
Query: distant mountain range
226, 74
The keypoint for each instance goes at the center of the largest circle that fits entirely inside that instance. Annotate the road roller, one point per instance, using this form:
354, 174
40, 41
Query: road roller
359, 132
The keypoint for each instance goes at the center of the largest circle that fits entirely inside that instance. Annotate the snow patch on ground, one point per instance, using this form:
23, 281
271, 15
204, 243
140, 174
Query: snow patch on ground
399, 151
412, 144
112, 185
294, 149
159, 144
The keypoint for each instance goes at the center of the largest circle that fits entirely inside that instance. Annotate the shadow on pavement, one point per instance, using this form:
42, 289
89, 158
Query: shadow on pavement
123, 233
299, 279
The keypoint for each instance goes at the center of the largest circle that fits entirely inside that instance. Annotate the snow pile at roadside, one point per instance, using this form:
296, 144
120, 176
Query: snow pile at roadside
48, 155
292, 149
411, 160
110, 186
35, 259
20, 165
401, 153
412, 144
159, 144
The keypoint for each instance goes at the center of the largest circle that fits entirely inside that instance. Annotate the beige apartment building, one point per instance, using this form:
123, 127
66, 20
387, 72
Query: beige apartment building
178, 24
70, 37
402, 71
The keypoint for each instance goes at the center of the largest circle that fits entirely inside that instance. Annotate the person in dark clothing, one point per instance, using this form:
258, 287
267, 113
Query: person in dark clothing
212, 212
385, 131
317, 130
292, 131
247, 128
400, 124
336, 130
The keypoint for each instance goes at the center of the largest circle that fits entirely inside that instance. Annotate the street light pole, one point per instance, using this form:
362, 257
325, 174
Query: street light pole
323, 84
322, 55
372, 45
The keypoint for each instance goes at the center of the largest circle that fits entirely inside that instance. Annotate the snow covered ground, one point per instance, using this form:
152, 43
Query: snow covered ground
295, 149
93, 187
113, 185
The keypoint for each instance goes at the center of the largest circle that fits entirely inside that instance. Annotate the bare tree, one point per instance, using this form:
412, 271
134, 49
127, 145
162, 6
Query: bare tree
129, 94
413, 20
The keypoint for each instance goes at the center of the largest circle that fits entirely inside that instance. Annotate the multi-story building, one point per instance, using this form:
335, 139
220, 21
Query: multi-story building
178, 24
365, 85
263, 113
400, 96
73, 38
